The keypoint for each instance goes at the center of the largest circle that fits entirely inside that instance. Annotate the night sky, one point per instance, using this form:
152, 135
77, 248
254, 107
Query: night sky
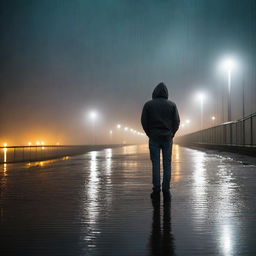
60, 59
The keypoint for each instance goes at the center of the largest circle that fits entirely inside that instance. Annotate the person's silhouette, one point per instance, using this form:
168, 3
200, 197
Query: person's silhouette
160, 121
161, 240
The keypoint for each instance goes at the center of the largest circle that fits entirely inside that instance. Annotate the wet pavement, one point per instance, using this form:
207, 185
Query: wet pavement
98, 204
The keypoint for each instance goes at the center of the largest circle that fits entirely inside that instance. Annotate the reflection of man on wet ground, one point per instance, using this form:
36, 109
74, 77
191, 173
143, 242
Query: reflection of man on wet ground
160, 121
161, 241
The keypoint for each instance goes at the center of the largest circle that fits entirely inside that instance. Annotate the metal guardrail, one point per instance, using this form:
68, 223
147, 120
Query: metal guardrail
12, 154
236, 133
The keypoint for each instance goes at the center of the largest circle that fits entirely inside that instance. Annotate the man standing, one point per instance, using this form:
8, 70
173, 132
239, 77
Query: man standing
160, 121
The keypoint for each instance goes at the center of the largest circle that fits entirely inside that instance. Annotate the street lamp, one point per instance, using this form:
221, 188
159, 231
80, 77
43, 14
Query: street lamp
93, 115
111, 135
213, 119
201, 97
229, 64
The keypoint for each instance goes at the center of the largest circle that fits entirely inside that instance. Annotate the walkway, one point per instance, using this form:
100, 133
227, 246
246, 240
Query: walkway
98, 204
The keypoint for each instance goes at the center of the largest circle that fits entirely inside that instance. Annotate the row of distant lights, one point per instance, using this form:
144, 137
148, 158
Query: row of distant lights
127, 129
38, 143
186, 122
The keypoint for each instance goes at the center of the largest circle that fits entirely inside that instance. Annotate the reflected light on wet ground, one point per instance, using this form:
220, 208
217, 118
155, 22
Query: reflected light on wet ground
98, 204
176, 176
91, 200
199, 187
5, 154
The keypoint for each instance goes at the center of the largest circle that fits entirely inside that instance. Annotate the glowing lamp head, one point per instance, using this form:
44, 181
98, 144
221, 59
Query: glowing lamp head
213, 118
110, 132
200, 96
118, 126
187, 121
126, 128
229, 64
93, 115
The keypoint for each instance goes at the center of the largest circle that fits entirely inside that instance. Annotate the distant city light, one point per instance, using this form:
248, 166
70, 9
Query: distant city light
29, 143
126, 128
110, 132
42, 142
37, 143
5, 144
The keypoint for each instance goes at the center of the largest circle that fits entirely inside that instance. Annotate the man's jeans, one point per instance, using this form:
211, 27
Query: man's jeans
155, 147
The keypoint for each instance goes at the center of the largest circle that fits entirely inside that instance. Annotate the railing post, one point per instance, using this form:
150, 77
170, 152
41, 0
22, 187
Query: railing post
243, 127
231, 133
251, 130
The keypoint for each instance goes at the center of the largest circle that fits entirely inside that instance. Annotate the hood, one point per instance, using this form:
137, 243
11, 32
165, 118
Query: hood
160, 91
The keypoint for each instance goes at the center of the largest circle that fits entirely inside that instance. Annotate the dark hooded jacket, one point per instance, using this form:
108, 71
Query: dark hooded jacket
160, 118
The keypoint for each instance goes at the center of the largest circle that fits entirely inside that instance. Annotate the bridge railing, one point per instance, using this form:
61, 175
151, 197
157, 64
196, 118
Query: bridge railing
236, 133
12, 154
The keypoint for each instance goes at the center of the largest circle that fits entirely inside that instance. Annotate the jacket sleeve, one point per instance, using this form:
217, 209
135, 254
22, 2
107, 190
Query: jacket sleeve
144, 119
176, 121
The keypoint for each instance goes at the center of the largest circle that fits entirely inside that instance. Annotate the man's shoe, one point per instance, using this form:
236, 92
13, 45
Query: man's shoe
167, 196
155, 195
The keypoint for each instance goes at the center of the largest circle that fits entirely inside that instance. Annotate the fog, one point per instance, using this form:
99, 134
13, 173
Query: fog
62, 59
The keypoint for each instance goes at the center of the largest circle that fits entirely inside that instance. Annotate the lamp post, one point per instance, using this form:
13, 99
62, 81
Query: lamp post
201, 98
229, 64
93, 115
111, 135
213, 119
119, 126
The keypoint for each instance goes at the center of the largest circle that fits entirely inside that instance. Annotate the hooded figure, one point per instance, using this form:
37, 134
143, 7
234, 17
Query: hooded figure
160, 119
